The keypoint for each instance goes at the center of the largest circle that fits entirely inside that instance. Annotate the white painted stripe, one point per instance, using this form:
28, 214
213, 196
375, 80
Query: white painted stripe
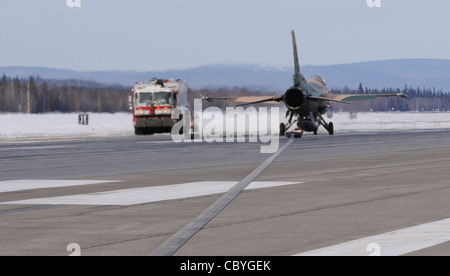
148, 194
393, 243
21, 185
177, 240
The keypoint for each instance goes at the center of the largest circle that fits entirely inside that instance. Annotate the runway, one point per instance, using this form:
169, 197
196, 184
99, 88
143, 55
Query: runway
116, 196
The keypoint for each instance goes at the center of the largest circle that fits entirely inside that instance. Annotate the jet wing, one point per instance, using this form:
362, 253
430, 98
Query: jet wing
257, 99
211, 99
358, 97
337, 98
249, 99
327, 99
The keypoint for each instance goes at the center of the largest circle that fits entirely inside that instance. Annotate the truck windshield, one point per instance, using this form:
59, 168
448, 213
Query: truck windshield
162, 98
156, 98
143, 99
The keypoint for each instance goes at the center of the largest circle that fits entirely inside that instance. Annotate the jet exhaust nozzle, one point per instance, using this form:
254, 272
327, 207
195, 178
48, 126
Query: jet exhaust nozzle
294, 98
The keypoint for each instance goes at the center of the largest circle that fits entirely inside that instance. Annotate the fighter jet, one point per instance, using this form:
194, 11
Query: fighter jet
306, 101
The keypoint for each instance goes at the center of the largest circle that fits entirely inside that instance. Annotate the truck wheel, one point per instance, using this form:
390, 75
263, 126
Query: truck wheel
138, 131
148, 131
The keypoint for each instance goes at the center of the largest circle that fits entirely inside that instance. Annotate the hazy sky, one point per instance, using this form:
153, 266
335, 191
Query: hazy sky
175, 34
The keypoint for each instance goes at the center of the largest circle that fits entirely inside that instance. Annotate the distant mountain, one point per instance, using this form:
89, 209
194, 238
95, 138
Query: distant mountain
388, 73
199, 77
375, 74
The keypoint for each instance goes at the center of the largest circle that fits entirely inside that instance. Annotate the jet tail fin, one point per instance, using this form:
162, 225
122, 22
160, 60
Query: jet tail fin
297, 76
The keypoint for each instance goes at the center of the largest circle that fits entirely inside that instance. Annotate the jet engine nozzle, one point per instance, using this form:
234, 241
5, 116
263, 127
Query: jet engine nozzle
294, 98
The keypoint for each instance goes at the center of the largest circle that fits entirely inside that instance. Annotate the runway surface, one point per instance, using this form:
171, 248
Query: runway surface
381, 193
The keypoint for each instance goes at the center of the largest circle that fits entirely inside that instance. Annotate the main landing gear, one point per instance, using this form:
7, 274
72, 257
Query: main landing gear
282, 129
328, 126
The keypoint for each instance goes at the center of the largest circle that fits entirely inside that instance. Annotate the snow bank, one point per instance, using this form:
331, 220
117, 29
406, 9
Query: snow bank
359, 122
372, 121
64, 125
14, 126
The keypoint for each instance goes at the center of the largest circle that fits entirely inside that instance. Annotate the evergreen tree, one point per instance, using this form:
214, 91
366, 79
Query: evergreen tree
3, 81
360, 88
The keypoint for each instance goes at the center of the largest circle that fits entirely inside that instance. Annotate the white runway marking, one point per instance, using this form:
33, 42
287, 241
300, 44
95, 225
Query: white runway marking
177, 240
21, 185
393, 243
148, 194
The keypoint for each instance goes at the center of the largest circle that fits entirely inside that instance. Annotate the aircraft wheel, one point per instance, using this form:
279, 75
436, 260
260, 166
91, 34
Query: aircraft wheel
282, 129
331, 128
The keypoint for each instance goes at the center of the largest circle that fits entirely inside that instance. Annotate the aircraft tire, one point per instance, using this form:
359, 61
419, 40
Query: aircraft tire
282, 129
331, 128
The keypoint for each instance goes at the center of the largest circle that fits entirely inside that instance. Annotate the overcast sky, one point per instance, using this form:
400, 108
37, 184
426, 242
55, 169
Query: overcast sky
178, 34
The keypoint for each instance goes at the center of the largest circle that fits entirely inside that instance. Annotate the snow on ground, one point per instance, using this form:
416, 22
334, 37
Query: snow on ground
64, 125
379, 121
361, 122
25, 126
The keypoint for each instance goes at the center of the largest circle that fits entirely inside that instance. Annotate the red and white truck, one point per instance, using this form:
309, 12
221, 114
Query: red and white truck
153, 102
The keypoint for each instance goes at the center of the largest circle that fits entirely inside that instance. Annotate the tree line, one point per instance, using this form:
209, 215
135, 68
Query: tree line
36, 95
